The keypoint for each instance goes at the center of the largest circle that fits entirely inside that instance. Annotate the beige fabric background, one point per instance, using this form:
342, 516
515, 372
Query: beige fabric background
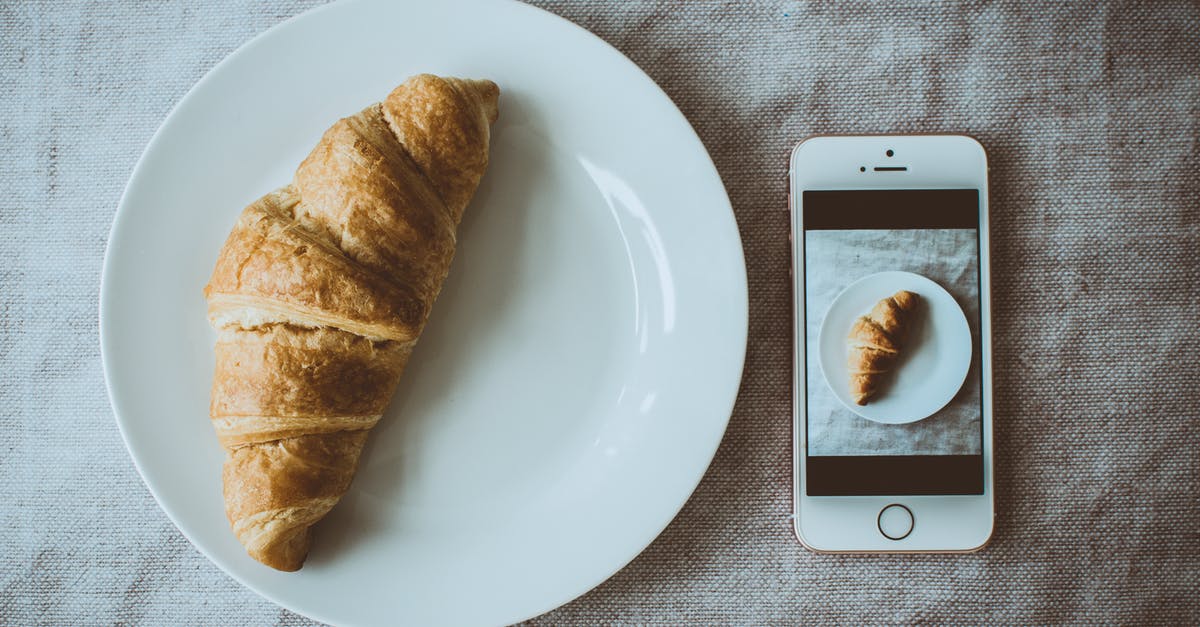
1089, 111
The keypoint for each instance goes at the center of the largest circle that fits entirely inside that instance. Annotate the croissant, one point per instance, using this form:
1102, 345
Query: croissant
875, 342
320, 293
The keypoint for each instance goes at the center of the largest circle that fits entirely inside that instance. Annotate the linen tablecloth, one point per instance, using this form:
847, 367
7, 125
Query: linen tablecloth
1089, 111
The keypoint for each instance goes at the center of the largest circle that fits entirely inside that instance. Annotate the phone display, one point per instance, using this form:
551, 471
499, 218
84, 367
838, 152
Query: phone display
876, 237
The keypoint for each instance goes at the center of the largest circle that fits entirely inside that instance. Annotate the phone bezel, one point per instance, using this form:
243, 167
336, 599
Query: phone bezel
848, 524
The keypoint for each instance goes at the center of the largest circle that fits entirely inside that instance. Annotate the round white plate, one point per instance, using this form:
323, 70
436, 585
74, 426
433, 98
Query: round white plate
578, 370
932, 366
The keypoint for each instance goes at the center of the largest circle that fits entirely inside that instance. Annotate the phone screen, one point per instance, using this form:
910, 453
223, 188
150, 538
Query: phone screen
852, 234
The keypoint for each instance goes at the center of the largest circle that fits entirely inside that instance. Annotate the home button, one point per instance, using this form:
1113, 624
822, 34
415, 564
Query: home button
895, 522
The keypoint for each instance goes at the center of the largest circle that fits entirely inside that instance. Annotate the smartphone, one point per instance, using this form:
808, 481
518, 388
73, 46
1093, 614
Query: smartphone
892, 432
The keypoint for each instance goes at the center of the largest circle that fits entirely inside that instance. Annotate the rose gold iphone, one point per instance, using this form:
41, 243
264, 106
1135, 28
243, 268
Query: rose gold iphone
892, 383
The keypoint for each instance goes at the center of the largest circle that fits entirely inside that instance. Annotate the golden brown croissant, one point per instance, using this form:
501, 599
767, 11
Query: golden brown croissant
320, 293
875, 342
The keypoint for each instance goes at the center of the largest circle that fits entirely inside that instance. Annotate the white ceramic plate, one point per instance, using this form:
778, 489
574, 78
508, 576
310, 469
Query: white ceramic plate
577, 373
933, 365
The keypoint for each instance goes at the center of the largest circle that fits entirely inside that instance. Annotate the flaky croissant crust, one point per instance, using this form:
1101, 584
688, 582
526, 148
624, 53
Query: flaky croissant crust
320, 293
876, 340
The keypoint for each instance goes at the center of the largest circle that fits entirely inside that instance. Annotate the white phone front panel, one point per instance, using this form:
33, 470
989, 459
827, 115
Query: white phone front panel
849, 523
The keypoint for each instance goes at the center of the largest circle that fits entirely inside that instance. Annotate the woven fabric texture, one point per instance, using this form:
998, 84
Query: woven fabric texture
1090, 112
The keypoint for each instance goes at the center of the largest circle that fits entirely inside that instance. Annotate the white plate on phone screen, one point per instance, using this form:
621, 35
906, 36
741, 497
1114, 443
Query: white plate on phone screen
934, 361
578, 370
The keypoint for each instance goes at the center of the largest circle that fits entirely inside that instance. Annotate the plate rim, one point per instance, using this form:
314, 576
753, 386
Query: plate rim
121, 218
821, 333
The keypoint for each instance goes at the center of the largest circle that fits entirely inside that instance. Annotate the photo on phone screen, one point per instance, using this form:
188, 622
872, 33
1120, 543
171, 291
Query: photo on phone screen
851, 234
